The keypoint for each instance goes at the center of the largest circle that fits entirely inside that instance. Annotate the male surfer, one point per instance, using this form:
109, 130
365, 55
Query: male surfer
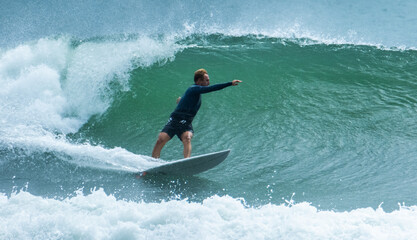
180, 120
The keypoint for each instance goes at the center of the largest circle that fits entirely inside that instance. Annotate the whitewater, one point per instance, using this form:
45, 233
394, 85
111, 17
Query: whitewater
99, 216
321, 131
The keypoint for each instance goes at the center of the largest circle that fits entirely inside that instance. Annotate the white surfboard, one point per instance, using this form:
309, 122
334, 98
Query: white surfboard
189, 166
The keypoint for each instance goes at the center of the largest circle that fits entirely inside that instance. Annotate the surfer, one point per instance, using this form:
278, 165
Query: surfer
181, 118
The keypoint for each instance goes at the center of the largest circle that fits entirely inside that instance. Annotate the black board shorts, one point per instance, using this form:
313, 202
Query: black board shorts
177, 127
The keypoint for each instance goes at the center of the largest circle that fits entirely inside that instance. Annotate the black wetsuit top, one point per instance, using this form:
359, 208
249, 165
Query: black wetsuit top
189, 104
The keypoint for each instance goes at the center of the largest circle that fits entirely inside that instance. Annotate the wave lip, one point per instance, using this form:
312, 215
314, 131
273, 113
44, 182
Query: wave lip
387, 23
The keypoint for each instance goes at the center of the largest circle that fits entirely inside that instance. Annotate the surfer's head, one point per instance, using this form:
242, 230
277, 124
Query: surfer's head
201, 77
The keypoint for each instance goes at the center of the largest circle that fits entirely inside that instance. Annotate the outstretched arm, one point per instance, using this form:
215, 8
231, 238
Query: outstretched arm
215, 87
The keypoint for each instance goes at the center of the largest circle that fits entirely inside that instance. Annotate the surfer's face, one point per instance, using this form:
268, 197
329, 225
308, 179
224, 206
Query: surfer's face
205, 81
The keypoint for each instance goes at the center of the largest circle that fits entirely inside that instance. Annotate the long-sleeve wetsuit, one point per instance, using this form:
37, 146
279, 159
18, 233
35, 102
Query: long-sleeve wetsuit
190, 103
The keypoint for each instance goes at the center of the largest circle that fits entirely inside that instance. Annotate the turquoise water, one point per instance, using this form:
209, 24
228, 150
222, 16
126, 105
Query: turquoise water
321, 130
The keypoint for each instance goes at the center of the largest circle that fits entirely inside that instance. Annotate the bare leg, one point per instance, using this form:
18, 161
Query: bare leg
163, 138
186, 140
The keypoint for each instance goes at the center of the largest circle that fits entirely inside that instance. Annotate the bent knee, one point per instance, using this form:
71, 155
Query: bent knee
162, 138
186, 138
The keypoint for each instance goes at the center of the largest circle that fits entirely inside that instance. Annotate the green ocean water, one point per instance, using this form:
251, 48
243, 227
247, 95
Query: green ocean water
333, 124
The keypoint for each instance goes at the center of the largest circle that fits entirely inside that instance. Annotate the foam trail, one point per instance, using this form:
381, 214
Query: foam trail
85, 155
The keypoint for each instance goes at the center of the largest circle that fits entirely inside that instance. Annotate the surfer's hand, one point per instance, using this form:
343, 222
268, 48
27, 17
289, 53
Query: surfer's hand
178, 99
236, 82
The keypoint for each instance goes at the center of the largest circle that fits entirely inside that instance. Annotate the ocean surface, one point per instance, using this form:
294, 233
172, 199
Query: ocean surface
322, 130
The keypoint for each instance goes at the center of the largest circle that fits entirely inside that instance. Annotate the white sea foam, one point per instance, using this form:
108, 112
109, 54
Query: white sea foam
31, 92
101, 216
58, 87
51, 87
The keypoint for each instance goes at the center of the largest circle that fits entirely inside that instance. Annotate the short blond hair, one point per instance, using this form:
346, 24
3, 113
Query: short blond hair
199, 74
